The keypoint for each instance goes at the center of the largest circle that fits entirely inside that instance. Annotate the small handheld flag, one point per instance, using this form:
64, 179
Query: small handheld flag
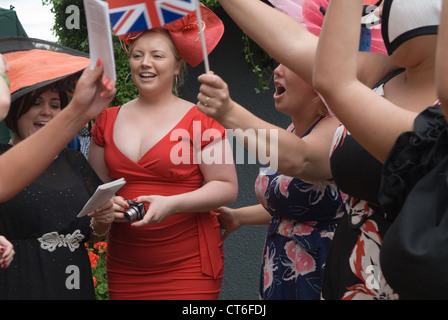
128, 16
133, 16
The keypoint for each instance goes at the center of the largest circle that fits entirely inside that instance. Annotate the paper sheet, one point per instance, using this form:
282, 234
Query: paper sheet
102, 194
100, 36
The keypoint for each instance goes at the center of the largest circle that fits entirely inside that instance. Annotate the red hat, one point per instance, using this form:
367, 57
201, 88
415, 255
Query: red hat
185, 34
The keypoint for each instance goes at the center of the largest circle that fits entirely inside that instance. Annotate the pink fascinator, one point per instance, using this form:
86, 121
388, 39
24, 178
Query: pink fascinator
292, 8
311, 14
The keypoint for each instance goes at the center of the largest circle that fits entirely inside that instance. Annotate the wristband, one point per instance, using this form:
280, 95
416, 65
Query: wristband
5, 77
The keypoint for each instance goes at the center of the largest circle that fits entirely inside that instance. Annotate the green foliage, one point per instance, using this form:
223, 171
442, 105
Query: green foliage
258, 60
97, 257
210, 3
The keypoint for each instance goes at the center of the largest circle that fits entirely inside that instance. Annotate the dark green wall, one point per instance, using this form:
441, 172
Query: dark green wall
244, 247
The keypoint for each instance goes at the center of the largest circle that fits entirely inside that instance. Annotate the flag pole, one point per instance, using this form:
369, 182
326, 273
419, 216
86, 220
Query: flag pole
201, 33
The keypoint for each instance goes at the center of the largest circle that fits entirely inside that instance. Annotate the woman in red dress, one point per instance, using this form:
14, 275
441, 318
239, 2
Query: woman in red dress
175, 160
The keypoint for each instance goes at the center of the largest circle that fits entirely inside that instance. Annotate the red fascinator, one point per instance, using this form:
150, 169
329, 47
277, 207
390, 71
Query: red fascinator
185, 34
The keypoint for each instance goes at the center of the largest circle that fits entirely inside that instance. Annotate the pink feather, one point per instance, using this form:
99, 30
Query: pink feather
292, 8
309, 14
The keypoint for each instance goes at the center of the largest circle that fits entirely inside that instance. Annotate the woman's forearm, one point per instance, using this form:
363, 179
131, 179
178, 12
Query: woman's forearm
372, 120
336, 56
23, 163
442, 61
210, 196
284, 39
280, 149
252, 215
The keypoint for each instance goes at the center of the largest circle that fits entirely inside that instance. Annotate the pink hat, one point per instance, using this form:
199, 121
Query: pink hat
311, 14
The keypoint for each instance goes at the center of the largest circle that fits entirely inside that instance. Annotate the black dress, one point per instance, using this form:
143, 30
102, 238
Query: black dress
414, 191
51, 261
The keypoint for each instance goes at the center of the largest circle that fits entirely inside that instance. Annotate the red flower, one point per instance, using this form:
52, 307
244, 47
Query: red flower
100, 246
93, 259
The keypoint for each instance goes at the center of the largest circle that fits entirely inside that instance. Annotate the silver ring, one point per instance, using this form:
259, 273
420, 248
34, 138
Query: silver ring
206, 101
107, 216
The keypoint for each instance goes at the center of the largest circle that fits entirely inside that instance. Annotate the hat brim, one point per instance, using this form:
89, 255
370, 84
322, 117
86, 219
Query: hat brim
33, 67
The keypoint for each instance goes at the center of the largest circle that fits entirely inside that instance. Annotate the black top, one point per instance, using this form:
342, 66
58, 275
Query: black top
51, 261
414, 255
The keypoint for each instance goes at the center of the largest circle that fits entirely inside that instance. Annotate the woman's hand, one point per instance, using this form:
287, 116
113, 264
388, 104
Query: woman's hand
93, 92
160, 207
120, 207
105, 213
228, 220
214, 98
6, 252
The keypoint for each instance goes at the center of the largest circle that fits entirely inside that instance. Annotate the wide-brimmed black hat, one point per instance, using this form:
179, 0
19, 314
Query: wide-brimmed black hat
36, 63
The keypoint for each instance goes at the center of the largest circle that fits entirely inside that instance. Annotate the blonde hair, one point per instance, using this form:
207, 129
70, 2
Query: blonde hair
179, 78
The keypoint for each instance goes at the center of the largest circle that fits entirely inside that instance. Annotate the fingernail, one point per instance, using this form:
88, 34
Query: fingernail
2, 249
106, 81
98, 62
103, 94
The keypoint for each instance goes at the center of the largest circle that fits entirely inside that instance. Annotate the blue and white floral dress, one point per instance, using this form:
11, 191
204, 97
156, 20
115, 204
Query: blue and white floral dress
304, 217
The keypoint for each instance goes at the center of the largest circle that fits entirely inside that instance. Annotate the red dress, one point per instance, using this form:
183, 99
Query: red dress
181, 257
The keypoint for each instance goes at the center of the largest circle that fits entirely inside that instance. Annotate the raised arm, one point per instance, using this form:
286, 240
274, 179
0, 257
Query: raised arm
282, 37
442, 61
373, 121
283, 151
290, 43
26, 161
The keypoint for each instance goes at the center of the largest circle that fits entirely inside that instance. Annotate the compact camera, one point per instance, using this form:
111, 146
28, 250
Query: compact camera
136, 211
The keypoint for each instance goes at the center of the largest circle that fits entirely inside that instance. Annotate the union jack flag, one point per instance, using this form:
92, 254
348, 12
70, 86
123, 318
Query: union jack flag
128, 16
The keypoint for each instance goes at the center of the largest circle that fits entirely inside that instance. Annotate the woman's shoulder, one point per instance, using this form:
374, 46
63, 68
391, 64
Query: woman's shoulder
112, 110
104, 117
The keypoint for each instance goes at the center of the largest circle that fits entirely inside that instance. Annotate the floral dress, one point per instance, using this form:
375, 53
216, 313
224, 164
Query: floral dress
304, 218
353, 264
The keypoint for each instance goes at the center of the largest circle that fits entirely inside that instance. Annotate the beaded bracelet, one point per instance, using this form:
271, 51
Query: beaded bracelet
5, 77
94, 232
